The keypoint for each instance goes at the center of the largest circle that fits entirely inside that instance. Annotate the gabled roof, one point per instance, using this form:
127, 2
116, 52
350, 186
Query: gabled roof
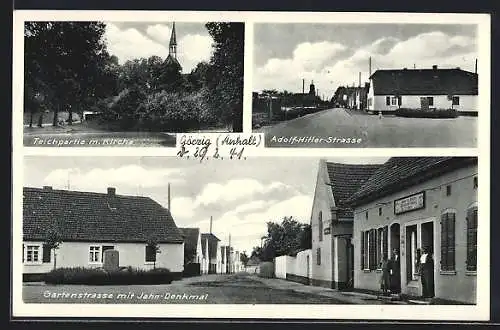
190, 240
425, 82
95, 217
345, 179
170, 60
213, 242
399, 173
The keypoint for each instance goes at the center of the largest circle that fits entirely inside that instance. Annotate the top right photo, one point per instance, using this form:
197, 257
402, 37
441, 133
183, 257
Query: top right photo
366, 85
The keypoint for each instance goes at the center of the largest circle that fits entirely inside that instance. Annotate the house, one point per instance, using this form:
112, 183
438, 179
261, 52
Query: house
192, 247
332, 222
252, 266
89, 223
211, 253
424, 89
237, 265
224, 260
415, 202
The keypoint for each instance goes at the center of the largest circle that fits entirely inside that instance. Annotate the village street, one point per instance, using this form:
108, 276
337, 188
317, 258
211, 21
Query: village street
207, 289
388, 131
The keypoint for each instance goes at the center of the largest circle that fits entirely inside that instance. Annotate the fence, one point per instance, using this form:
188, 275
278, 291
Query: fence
294, 268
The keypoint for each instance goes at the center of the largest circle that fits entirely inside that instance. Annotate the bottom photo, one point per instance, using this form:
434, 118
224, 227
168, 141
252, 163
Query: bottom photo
267, 230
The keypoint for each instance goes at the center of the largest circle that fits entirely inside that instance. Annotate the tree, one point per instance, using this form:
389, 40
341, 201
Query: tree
244, 258
53, 240
153, 245
226, 81
287, 237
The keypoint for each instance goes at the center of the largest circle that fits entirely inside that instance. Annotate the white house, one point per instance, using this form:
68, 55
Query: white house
424, 89
90, 223
192, 247
211, 253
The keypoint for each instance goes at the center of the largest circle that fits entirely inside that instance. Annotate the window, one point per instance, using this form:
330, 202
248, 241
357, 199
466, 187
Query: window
380, 252
448, 241
448, 190
472, 238
94, 254
150, 253
320, 225
33, 253
430, 100
365, 248
379, 211
318, 256
372, 249
475, 182
46, 253
393, 100
362, 249
455, 100
387, 100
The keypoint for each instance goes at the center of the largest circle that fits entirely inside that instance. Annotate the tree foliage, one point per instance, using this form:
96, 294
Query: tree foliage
285, 238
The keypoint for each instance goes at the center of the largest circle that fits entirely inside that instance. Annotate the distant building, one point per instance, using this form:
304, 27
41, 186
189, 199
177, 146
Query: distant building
332, 222
91, 223
424, 89
192, 245
172, 49
211, 253
409, 204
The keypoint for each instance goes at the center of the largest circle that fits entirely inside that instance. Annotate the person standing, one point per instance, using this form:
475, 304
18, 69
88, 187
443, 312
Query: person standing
427, 273
395, 272
385, 277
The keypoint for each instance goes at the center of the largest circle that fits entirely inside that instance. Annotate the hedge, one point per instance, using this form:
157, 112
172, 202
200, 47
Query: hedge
98, 276
419, 113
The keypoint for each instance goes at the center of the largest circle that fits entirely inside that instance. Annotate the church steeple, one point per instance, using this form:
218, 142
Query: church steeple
172, 46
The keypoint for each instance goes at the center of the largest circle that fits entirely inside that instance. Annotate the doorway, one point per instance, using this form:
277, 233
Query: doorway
427, 241
411, 253
395, 256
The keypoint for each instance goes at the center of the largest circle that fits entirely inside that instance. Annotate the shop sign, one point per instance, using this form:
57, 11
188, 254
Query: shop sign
410, 203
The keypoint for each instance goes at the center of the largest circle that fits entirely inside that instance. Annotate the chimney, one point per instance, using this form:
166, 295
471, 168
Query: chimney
434, 67
111, 191
210, 224
303, 86
168, 196
359, 79
370, 66
47, 187
475, 67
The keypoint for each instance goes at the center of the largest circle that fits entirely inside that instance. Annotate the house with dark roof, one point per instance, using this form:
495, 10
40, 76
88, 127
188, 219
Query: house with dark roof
87, 224
211, 253
424, 89
332, 222
192, 245
413, 203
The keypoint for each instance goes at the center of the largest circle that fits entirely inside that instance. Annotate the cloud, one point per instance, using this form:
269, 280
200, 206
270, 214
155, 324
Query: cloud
182, 207
236, 189
331, 65
98, 179
129, 43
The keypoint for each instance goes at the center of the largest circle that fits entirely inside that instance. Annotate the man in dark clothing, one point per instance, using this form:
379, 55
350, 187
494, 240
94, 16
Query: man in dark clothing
427, 273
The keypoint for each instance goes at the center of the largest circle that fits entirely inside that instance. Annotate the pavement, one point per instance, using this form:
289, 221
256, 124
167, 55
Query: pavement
342, 128
241, 288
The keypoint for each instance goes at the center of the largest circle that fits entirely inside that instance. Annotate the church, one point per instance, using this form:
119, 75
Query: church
172, 50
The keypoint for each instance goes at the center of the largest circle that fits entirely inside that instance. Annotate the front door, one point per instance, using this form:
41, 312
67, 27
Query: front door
427, 241
424, 103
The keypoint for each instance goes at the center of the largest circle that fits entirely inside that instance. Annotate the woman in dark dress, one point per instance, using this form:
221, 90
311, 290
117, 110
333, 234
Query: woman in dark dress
395, 272
427, 273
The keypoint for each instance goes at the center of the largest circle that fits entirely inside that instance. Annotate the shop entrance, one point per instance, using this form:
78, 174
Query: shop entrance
411, 253
427, 241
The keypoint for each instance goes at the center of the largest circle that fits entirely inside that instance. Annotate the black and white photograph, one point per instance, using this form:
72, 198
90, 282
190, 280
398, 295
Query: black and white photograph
127, 84
165, 230
366, 84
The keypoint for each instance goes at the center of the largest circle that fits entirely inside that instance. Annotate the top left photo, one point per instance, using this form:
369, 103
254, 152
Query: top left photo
130, 84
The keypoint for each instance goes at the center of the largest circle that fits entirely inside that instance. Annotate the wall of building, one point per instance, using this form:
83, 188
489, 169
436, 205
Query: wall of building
76, 254
468, 103
459, 285
322, 275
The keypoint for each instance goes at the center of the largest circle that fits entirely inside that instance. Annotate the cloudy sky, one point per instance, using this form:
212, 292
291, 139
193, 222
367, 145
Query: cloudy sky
334, 54
241, 196
129, 40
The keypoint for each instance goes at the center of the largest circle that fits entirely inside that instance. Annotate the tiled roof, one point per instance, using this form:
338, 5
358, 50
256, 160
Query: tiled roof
401, 172
190, 241
425, 82
87, 216
212, 244
345, 179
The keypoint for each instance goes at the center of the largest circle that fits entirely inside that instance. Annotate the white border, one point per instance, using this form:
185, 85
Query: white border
350, 312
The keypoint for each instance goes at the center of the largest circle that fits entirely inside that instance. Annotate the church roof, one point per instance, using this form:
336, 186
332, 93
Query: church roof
173, 38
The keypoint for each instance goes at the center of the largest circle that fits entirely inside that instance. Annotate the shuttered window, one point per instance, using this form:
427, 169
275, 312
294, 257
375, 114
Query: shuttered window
380, 239
373, 249
385, 243
448, 241
362, 249
472, 239
318, 256
150, 253
366, 245
46, 251
320, 225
